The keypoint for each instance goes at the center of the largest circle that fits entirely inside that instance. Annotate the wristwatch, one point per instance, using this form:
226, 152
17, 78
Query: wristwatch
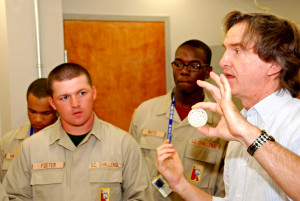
262, 139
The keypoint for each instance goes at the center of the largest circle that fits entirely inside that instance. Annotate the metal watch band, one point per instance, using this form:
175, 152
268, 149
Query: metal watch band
262, 139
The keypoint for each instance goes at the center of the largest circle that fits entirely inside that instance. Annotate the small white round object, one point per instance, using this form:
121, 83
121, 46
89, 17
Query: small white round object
197, 118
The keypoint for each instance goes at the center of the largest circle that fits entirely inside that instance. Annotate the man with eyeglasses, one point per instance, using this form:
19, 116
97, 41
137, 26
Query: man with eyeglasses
202, 157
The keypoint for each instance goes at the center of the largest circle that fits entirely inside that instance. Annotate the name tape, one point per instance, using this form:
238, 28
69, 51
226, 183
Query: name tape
153, 132
49, 165
104, 164
9, 155
204, 143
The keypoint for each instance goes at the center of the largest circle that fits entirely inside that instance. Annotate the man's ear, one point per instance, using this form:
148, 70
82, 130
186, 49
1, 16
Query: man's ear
94, 92
51, 102
274, 69
208, 69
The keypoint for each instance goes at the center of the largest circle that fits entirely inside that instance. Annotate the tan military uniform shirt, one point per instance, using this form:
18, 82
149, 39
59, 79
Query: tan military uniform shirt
10, 144
3, 195
106, 165
202, 157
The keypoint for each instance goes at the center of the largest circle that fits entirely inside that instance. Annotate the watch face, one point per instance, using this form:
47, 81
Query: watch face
197, 118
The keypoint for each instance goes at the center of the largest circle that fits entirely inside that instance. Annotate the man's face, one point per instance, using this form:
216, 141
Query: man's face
73, 99
184, 79
245, 71
40, 112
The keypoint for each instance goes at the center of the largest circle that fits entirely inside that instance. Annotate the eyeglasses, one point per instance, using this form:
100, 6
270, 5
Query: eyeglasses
194, 67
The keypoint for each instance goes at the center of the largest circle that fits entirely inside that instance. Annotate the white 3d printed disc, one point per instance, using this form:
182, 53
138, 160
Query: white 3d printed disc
197, 117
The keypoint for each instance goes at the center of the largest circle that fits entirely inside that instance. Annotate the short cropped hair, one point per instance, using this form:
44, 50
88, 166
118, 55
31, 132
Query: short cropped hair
38, 88
66, 71
275, 40
199, 44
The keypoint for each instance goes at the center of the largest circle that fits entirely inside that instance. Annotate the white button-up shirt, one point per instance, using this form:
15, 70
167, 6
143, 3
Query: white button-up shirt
245, 180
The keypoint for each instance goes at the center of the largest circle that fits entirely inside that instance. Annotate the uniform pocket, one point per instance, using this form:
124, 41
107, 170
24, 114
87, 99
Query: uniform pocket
48, 176
46, 181
201, 153
105, 175
106, 181
150, 142
198, 164
148, 146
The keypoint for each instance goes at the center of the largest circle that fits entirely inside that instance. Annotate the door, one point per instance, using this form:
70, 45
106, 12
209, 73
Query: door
126, 61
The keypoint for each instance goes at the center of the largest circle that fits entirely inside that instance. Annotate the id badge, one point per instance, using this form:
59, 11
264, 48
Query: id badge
162, 186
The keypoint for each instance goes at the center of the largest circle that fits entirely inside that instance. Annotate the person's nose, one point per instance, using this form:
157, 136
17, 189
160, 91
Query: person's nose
75, 101
38, 117
185, 69
225, 60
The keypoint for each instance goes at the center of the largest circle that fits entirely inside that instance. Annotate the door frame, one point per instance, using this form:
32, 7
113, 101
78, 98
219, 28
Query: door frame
128, 18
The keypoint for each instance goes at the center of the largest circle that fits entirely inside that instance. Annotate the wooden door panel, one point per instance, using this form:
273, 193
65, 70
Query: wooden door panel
125, 59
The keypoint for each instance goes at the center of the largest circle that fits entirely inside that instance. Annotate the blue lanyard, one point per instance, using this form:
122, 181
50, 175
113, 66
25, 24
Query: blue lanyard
31, 131
171, 119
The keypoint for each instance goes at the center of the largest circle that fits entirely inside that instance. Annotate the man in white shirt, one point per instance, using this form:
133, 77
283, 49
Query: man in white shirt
261, 67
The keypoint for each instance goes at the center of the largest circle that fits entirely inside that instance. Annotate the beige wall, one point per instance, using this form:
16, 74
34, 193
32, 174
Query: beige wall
188, 19
19, 55
5, 113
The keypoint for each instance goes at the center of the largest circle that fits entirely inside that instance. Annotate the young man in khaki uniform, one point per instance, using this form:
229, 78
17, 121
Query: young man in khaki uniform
40, 114
202, 157
80, 157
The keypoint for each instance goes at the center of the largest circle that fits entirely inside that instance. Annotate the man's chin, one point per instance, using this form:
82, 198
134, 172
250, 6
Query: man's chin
35, 129
187, 91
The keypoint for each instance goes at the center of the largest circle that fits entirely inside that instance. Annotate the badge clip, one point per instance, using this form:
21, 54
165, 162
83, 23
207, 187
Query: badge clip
162, 186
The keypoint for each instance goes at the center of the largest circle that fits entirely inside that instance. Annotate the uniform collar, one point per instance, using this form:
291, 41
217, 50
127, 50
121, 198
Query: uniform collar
164, 107
269, 105
96, 128
64, 140
24, 131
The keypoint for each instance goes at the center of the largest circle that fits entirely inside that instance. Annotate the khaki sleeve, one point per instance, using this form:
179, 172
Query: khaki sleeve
136, 181
3, 195
17, 179
132, 128
1, 159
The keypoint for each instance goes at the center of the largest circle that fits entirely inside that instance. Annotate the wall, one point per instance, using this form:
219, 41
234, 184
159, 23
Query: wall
5, 115
188, 19
19, 54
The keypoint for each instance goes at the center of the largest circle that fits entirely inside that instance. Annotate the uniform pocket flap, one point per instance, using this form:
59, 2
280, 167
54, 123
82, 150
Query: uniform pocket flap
150, 142
201, 153
105, 174
47, 176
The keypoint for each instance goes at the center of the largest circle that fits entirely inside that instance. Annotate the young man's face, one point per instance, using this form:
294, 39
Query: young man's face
40, 112
245, 71
184, 79
74, 99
